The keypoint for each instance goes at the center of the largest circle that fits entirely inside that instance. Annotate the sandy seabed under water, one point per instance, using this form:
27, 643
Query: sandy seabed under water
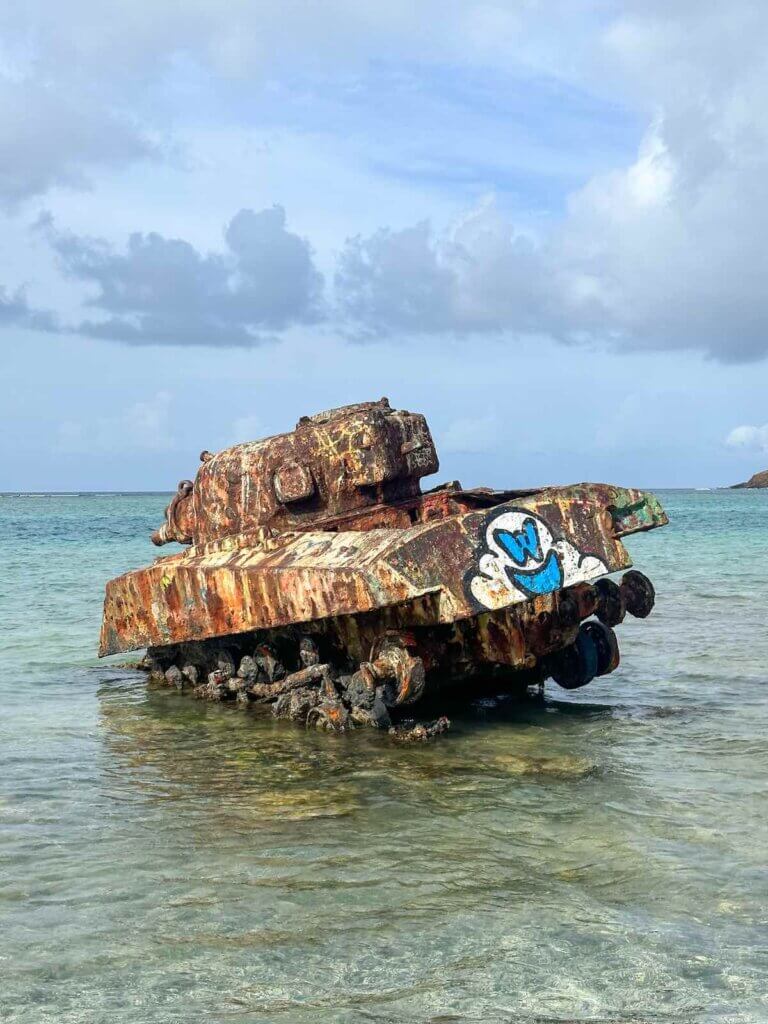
600, 856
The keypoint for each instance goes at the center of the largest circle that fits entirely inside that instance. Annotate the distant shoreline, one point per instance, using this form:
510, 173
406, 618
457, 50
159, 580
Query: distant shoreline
160, 494
84, 494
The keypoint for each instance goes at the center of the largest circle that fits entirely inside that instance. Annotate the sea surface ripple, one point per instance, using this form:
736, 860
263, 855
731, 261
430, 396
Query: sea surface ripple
598, 857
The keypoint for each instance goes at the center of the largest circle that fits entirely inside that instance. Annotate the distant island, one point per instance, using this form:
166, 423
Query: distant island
758, 480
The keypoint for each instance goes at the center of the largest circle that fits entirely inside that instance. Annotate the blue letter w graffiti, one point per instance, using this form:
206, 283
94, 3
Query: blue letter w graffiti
521, 545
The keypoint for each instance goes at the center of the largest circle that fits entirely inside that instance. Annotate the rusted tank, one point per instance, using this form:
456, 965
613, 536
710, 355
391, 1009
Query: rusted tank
318, 577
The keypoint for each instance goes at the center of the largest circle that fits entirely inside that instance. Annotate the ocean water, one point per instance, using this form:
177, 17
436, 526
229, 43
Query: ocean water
599, 857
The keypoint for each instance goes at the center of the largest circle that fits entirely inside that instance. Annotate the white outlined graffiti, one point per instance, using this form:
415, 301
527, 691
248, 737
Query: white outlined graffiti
521, 558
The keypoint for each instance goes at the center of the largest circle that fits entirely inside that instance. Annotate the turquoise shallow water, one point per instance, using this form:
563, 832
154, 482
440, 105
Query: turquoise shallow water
600, 857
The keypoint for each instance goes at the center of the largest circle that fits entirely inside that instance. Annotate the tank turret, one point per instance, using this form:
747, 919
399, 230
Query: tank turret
321, 476
318, 578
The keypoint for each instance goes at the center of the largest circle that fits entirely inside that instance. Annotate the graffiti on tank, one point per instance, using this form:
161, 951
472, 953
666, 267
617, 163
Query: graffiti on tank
521, 557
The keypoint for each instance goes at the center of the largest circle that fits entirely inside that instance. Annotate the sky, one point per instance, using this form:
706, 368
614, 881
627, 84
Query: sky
542, 224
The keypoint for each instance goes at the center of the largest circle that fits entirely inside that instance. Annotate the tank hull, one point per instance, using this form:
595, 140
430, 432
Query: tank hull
516, 552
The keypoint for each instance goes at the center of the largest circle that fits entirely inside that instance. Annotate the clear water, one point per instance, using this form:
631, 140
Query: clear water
602, 857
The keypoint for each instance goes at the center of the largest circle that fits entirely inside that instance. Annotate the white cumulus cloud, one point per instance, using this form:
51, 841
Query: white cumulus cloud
751, 438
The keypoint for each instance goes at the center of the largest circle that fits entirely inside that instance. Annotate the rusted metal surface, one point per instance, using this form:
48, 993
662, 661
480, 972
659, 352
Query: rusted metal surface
333, 465
243, 583
325, 533
178, 517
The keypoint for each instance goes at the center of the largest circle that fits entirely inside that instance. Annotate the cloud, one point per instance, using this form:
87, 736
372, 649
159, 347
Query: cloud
15, 311
115, 83
395, 280
80, 94
663, 251
49, 138
481, 276
666, 252
750, 438
675, 241
242, 38
163, 291
146, 426
13, 308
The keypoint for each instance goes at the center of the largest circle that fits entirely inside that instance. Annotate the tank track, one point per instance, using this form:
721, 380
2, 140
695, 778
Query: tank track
286, 672
309, 677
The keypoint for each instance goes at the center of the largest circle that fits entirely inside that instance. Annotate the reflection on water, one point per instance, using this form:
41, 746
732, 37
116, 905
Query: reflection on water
596, 856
